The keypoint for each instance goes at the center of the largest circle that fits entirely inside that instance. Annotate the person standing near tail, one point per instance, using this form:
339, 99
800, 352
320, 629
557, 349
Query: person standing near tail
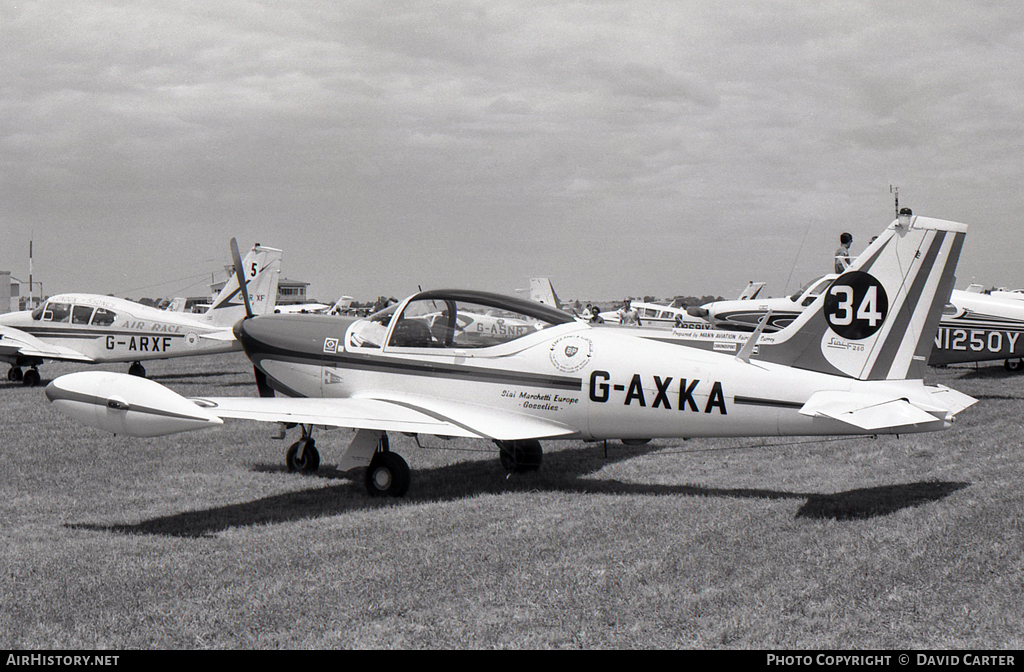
842, 256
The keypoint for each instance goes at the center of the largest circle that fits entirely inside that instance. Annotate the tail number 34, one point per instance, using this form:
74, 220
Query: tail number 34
856, 305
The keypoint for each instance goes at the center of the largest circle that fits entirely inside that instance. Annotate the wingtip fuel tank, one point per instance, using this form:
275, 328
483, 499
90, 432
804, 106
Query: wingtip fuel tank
140, 407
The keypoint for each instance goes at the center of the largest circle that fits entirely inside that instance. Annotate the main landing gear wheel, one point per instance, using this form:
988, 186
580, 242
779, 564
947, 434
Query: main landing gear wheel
519, 456
137, 369
1014, 365
306, 462
14, 374
30, 378
388, 474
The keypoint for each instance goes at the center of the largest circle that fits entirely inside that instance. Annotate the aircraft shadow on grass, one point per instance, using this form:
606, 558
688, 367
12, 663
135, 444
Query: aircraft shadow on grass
562, 471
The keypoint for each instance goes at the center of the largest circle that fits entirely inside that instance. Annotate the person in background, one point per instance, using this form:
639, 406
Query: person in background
842, 257
628, 315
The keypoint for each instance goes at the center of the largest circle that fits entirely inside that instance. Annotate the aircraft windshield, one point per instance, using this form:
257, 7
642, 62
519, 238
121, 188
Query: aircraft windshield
57, 312
819, 285
455, 319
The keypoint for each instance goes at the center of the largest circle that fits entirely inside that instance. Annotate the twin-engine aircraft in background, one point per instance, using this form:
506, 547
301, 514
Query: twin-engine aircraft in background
674, 314
843, 367
93, 328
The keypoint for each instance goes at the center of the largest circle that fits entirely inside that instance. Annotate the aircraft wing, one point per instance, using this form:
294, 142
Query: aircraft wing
409, 414
124, 404
14, 342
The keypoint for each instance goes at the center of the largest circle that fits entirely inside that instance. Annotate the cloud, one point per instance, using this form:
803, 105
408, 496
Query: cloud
522, 135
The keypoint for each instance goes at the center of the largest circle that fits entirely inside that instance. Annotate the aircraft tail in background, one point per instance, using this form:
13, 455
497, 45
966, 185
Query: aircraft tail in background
750, 291
877, 321
262, 269
541, 291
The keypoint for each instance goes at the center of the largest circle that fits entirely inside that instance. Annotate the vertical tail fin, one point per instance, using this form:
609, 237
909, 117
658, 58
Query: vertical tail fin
541, 291
750, 291
877, 320
262, 269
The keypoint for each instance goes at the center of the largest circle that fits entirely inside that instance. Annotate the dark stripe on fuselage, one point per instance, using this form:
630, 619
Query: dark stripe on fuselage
258, 351
775, 403
95, 332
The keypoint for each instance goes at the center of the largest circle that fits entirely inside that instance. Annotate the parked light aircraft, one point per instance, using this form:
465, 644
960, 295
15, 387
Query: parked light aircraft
974, 327
744, 314
93, 328
844, 369
674, 314
339, 307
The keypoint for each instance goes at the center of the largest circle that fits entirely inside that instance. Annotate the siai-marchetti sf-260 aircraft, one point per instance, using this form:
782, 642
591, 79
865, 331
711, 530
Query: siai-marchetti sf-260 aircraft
411, 369
93, 328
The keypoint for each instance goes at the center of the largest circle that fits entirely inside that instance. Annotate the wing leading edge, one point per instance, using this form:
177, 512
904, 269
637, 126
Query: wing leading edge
124, 404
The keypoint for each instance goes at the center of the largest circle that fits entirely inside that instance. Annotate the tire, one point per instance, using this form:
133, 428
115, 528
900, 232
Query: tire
310, 461
388, 474
520, 456
30, 378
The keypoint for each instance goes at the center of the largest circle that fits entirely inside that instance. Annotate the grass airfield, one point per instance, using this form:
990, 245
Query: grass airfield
202, 540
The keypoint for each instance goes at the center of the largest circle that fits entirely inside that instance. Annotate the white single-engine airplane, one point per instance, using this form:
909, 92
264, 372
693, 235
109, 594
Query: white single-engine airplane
847, 360
92, 328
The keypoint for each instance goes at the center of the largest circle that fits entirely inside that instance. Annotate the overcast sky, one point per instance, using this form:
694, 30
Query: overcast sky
618, 148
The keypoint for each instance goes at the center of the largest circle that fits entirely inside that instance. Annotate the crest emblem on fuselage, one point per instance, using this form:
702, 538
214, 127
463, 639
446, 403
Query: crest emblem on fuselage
331, 345
571, 353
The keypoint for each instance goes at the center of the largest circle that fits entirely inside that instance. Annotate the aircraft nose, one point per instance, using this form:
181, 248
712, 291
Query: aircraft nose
237, 329
697, 311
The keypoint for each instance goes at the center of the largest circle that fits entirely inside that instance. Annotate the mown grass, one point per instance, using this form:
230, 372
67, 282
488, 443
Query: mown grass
202, 540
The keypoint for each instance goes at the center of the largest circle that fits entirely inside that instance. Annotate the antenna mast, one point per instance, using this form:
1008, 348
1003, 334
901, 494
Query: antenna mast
896, 191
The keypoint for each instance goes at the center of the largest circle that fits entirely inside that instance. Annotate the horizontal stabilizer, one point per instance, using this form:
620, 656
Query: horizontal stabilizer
951, 399
877, 411
222, 335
